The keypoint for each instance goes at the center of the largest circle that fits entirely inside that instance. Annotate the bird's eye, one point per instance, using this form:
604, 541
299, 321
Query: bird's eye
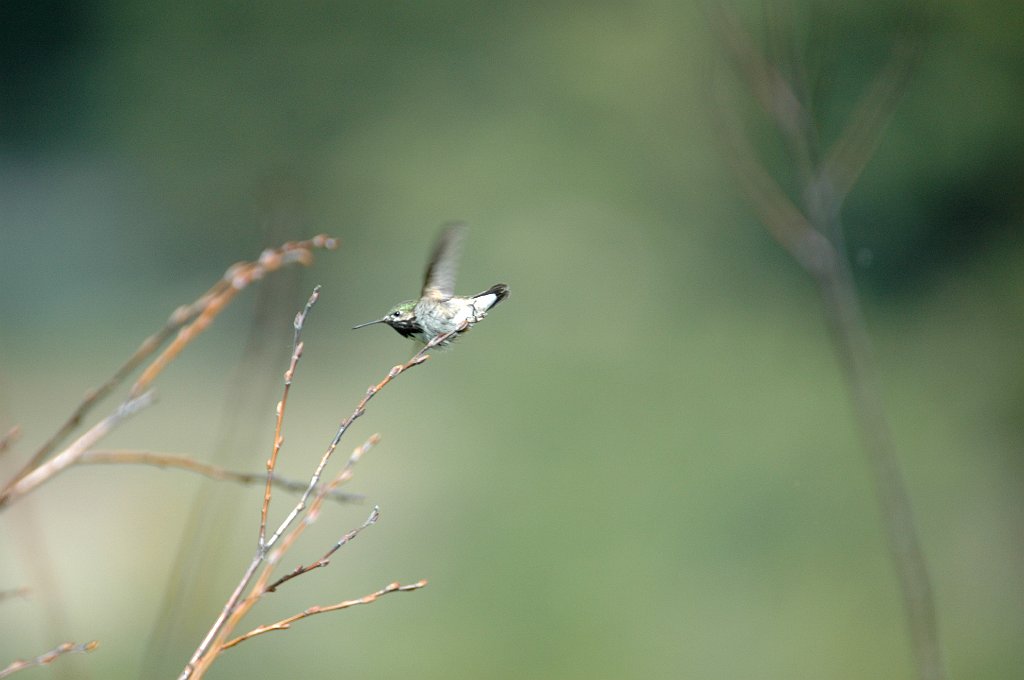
396, 314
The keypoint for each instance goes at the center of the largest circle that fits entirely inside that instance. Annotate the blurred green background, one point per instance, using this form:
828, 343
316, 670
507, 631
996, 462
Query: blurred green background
643, 464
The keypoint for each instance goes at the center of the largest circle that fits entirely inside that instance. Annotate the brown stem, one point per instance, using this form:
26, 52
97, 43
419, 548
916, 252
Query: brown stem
853, 347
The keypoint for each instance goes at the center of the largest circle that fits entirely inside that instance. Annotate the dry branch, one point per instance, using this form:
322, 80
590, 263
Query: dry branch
284, 624
289, 375
8, 439
236, 279
73, 454
48, 657
181, 462
12, 593
326, 559
188, 321
311, 514
236, 607
812, 234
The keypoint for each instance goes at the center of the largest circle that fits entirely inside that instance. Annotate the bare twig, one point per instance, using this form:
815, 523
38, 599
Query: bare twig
188, 321
813, 236
203, 656
853, 347
765, 81
48, 657
326, 559
8, 439
347, 470
23, 591
313, 511
178, 318
180, 462
74, 452
779, 214
289, 375
284, 624
360, 409
851, 152
236, 279
236, 607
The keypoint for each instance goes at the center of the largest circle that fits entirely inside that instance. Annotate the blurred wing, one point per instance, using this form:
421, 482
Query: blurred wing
439, 283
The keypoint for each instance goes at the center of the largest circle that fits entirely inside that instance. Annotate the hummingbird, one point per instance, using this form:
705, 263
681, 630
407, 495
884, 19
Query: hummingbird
439, 310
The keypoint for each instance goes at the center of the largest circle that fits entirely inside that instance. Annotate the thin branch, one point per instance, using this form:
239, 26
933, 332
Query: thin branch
236, 279
194, 666
326, 559
825, 186
180, 462
8, 439
76, 450
235, 608
23, 591
284, 624
853, 348
769, 87
781, 217
187, 321
289, 375
178, 318
274, 557
856, 145
48, 657
360, 409
347, 470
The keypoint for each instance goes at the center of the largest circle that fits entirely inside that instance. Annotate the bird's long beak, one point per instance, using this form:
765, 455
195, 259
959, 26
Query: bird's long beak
368, 323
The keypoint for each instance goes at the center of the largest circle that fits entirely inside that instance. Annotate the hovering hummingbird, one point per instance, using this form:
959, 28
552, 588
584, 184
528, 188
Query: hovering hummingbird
439, 310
